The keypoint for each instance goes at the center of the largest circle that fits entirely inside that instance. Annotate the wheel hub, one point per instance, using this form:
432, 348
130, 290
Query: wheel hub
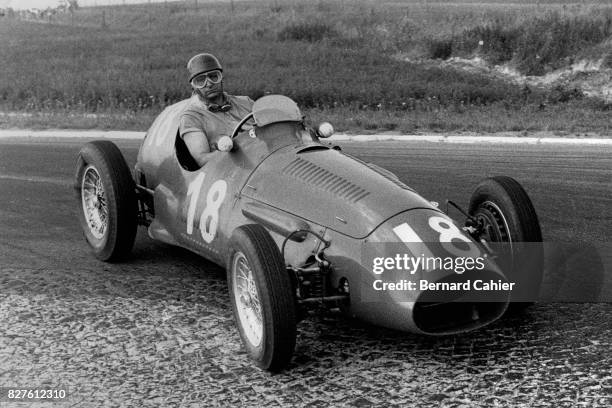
494, 225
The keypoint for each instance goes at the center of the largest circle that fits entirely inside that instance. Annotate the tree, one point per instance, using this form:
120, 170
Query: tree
73, 5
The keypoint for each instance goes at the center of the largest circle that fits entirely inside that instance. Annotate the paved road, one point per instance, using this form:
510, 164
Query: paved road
158, 330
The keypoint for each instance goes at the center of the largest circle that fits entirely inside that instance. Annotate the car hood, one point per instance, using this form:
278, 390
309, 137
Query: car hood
330, 188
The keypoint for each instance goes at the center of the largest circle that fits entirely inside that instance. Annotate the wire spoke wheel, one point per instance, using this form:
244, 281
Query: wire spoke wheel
508, 219
106, 194
93, 198
247, 300
262, 296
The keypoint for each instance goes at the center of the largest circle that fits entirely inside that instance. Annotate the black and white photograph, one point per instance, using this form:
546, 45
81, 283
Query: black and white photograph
305, 203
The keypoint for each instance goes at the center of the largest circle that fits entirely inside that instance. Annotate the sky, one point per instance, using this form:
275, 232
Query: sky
43, 4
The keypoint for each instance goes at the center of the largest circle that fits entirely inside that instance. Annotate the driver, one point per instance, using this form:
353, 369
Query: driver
211, 114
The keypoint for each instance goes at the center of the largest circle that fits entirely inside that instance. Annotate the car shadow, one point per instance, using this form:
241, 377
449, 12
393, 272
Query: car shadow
334, 340
575, 272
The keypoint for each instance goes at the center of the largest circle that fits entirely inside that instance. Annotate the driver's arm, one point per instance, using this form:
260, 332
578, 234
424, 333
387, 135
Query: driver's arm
197, 143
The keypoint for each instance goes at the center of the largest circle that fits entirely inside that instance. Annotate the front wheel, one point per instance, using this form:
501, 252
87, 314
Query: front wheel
507, 216
106, 196
262, 297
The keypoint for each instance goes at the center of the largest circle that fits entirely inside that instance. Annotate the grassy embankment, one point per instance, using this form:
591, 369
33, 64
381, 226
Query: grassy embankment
340, 60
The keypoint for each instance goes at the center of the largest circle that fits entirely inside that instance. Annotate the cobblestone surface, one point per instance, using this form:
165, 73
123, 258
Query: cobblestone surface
158, 331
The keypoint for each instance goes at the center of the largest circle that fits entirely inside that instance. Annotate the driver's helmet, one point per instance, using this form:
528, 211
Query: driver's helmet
202, 63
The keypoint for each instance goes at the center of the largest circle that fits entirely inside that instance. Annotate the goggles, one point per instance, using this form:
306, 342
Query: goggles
214, 77
219, 108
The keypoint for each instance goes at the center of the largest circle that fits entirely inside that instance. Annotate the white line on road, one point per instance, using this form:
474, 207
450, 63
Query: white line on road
473, 139
130, 135
71, 134
36, 179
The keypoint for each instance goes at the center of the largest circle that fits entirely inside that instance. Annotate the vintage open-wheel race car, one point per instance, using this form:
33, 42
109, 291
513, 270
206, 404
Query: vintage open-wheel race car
298, 225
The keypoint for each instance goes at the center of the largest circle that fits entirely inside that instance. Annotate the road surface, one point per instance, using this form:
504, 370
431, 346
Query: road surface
158, 329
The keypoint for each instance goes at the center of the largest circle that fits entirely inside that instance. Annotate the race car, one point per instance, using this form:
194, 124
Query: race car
300, 225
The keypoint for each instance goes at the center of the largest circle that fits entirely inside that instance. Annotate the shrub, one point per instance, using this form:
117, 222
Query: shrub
545, 43
440, 49
311, 32
535, 46
498, 42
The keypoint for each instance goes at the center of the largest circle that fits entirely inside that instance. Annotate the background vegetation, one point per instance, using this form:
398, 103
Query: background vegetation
363, 64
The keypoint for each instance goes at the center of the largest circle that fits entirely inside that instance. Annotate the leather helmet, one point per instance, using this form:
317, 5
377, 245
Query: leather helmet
202, 63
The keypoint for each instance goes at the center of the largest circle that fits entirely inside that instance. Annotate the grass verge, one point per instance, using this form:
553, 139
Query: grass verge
117, 67
560, 120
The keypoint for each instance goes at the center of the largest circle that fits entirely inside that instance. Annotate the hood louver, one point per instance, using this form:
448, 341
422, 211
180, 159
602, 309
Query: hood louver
322, 178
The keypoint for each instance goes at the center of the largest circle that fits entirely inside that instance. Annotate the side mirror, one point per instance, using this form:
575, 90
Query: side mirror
325, 130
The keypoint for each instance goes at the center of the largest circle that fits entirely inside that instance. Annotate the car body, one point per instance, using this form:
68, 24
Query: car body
328, 213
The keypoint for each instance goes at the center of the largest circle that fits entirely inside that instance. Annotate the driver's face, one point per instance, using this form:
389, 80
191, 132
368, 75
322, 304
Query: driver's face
211, 91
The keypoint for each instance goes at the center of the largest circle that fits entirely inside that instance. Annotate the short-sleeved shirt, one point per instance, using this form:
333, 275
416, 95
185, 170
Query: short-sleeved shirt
197, 118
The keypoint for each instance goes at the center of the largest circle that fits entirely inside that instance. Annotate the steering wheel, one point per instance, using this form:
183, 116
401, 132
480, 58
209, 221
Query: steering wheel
240, 124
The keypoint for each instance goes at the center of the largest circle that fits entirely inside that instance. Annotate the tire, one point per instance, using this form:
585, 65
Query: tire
509, 216
256, 263
106, 194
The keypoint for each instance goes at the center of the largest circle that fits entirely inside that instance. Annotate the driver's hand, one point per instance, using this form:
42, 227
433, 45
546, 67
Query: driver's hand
225, 144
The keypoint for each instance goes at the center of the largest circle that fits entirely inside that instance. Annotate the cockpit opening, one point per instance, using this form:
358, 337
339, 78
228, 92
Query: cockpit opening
183, 156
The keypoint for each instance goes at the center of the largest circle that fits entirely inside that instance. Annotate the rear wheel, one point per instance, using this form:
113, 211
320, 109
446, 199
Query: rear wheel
262, 297
106, 195
506, 214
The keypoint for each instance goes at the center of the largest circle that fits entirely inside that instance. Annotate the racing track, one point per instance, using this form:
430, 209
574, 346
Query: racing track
158, 331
